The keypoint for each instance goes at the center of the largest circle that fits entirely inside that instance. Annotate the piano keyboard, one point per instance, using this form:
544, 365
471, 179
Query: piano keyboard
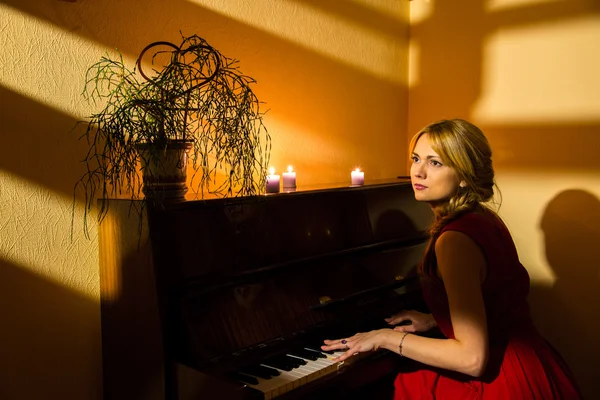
289, 378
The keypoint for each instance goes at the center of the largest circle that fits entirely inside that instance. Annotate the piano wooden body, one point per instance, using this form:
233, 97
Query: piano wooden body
235, 284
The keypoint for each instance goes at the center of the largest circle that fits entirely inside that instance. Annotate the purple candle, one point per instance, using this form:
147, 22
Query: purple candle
357, 177
289, 179
272, 181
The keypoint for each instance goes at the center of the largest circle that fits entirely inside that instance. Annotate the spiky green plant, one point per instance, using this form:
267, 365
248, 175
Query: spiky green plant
200, 96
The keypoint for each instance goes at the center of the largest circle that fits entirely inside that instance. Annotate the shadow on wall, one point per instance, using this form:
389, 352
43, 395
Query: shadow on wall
45, 330
49, 339
466, 28
461, 32
38, 143
50, 335
293, 80
526, 147
458, 31
569, 311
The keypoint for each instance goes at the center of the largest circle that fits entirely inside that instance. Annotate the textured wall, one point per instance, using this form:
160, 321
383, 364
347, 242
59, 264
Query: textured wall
333, 74
526, 72
50, 337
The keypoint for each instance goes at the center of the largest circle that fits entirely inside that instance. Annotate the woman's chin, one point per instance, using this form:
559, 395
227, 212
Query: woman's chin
419, 196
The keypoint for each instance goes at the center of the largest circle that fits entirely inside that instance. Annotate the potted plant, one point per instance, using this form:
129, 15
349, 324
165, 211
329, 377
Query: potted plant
192, 103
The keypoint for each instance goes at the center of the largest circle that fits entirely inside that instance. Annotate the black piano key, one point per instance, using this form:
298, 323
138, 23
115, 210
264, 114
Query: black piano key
271, 371
279, 362
245, 378
297, 360
319, 353
317, 347
257, 370
293, 361
305, 354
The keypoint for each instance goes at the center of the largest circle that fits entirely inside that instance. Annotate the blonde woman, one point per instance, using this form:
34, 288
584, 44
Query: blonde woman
474, 285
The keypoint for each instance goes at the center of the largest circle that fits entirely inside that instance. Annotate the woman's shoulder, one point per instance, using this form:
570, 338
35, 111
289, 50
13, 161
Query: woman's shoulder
479, 219
481, 226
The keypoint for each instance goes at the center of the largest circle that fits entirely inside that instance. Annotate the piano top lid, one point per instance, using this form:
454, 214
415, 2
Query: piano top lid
192, 199
300, 190
285, 229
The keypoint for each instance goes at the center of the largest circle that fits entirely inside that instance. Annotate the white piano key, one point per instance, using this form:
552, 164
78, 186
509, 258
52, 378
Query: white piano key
290, 380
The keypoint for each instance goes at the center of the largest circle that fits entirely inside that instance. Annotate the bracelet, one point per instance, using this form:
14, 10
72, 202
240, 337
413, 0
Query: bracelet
402, 341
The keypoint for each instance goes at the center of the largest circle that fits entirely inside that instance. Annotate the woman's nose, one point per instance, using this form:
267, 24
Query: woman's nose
418, 170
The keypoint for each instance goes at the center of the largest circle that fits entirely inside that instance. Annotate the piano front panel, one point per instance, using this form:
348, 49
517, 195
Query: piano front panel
216, 238
240, 280
244, 315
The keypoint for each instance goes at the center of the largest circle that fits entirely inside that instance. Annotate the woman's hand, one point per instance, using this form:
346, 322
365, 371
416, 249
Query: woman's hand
359, 343
420, 322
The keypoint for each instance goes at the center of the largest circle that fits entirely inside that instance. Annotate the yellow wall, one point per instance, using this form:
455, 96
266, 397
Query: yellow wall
527, 72
333, 74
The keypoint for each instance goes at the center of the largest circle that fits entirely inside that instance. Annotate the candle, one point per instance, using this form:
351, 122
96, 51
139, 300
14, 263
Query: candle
289, 179
358, 177
272, 181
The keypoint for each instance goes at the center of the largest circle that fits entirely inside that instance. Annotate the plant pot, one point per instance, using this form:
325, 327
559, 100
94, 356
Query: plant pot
164, 170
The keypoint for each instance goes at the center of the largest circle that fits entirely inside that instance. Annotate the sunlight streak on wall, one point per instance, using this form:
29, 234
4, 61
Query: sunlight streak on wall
387, 7
497, 5
421, 10
331, 36
413, 63
561, 78
35, 229
28, 75
110, 240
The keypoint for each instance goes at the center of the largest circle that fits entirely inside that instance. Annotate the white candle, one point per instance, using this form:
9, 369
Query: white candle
357, 177
272, 181
289, 179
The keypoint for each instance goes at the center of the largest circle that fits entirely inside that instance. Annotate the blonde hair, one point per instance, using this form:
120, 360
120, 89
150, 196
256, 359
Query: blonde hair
463, 147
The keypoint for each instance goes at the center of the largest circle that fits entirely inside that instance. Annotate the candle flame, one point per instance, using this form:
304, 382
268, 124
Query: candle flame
357, 170
290, 169
271, 171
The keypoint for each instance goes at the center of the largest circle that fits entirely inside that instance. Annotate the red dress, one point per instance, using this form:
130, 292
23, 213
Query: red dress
522, 365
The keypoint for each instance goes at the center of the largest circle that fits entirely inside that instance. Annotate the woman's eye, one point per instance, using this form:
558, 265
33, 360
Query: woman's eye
414, 159
436, 163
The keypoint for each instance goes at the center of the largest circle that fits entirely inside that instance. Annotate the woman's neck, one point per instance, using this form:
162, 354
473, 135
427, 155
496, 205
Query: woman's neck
437, 207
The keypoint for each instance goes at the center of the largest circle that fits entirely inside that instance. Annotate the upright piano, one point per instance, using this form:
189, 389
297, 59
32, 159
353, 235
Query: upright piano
248, 288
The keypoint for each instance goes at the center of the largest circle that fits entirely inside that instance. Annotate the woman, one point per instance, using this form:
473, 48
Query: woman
473, 284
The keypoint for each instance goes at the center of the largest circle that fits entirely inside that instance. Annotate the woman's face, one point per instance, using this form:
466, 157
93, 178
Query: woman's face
432, 180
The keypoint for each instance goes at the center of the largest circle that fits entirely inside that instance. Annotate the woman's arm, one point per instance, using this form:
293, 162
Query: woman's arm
462, 267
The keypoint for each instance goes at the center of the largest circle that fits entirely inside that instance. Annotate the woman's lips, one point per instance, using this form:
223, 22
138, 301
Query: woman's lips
419, 186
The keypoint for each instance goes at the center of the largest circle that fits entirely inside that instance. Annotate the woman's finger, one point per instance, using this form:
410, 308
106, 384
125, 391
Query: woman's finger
330, 342
395, 320
340, 344
400, 317
346, 355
